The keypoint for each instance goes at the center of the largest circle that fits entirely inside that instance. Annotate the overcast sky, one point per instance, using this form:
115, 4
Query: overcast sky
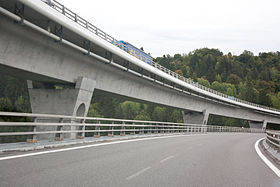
180, 26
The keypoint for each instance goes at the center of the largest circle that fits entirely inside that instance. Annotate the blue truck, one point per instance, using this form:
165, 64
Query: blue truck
138, 53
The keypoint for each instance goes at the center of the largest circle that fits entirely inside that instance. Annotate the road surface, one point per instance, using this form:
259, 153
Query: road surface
225, 159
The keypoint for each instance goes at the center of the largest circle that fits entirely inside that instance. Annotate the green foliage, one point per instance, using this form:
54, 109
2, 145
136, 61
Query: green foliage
128, 109
143, 115
203, 82
94, 110
248, 77
5, 104
275, 99
159, 114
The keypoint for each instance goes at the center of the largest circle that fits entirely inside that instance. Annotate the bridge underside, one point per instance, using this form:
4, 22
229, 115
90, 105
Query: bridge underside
27, 54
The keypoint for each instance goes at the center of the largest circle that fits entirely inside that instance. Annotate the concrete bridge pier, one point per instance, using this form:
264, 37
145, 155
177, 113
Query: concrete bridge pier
75, 100
258, 124
191, 117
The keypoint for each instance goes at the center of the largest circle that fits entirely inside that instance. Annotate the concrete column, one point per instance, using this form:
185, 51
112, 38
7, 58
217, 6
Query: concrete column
261, 125
191, 117
73, 101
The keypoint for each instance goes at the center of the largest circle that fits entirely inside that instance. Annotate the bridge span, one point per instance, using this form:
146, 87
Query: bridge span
50, 46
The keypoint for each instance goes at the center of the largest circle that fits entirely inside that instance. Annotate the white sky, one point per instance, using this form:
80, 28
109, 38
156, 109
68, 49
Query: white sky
180, 26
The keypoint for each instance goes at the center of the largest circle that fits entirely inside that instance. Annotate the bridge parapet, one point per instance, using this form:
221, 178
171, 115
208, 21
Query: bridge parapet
273, 137
96, 127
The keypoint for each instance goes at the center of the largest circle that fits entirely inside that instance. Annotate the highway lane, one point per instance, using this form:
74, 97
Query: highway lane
225, 159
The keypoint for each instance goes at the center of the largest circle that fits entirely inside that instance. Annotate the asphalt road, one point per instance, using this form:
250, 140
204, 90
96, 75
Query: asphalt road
193, 160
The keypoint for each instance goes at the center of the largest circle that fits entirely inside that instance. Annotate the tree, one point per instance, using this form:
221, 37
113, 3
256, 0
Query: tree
159, 114
94, 110
203, 82
143, 115
22, 105
5, 104
234, 79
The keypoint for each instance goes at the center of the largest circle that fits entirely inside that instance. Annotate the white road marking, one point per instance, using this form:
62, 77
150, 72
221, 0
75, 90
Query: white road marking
167, 158
138, 173
88, 146
268, 163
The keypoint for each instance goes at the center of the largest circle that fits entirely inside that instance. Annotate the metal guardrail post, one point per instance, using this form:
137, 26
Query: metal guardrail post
154, 129
59, 136
111, 134
97, 128
161, 129
81, 135
142, 129
134, 130
122, 133
149, 130
32, 138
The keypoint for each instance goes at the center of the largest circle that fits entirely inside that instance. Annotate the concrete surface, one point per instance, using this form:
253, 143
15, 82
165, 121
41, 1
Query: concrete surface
258, 125
191, 117
195, 160
72, 101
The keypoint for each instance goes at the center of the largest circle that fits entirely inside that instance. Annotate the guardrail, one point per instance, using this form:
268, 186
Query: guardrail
273, 137
84, 23
82, 127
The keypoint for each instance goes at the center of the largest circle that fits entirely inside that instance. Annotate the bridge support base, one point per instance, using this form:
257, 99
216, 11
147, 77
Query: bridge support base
199, 118
191, 117
255, 125
73, 101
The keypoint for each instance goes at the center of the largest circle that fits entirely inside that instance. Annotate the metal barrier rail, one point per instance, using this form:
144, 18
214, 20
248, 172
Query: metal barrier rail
84, 23
273, 137
102, 126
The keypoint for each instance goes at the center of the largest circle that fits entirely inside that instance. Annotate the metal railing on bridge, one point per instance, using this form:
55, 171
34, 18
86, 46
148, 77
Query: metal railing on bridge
84, 23
273, 137
95, 127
